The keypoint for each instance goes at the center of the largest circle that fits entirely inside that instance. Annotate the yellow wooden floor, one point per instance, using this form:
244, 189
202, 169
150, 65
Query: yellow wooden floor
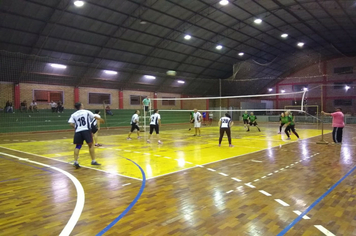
180, 149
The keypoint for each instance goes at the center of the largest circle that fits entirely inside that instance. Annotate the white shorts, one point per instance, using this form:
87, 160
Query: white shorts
197, 124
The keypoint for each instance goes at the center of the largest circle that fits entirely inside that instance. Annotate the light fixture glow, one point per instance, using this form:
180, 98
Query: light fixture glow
347, 87
258, 21
110, 72
270, 90
300, 44
58, 66
241, 54
283, 91
187, 37
305, 89
79, 3
143, 22
181, 81
224, 2
284, 35
150, 77
219, 47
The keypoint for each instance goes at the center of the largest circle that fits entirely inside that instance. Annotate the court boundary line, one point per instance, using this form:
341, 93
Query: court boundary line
78, 209
296, 220
230, 158
107, 172
103, 231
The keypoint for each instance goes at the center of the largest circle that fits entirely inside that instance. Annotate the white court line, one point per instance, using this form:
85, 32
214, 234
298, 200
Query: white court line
157, 155
281, 202
230, 191
167, 157
323, 230
256, 180
305, 217
126, 184
238, 180
255, 161
210, 169
270, 174
53, 159
223, 174
80, 195
265, 193
250, 185
263, 177
188, 162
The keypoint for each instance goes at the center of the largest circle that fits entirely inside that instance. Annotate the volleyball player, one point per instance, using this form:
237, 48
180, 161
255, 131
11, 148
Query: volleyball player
284, 120
191, 120
197, 121
225, 124
80, 121
154, 125
134, 124
290, 126
96, 122
245, 119
252, 118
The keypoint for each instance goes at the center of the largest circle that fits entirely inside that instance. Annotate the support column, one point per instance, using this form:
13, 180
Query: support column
76, 94
17, 96
277, 91
155, 101
121, 100
324, 83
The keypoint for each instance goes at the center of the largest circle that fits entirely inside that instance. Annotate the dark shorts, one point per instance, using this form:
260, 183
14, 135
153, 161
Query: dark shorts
146, 108
80, 137
134, 126
254, 123
155, 128
245, 121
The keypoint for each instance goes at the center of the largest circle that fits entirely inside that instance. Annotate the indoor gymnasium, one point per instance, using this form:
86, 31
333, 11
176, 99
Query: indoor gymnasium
178, 117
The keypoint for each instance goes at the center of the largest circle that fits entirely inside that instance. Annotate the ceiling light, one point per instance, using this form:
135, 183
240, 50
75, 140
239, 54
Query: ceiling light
300, 44
270, 90
241, 54
58, 66
110, 72
181, 81
258, 21
305, 89
78, 3
347, 87
224, 2
150, 77
284, 35
187, 37
283, 91
219, 47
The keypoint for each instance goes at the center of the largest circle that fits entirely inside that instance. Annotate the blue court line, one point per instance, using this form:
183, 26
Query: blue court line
19, 162
8, 180
131, 204
296, 220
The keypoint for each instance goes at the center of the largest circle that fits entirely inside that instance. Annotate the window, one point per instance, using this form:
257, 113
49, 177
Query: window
344, 70
168, 102
343, 102
47, 96
99, 98
299, 87
136, 100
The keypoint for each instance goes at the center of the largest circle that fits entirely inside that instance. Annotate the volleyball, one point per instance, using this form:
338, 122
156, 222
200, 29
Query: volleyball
171, 73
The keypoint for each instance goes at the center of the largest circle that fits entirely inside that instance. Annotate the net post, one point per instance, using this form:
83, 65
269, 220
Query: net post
106, 121
144, 116
322, 141
220, 97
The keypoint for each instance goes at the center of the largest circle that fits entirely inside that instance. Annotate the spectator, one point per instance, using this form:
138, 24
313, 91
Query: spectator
108, 111
23, 106
8, 107
338, 124
33, 106
53, 106
60, 107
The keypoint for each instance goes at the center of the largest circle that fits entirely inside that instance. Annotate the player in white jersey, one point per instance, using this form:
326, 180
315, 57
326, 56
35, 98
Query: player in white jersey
155, 122
197, 121
225, 124
134, 124
81, 121
96, 123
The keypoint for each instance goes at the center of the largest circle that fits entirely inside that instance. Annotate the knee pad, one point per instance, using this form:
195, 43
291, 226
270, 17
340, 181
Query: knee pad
78, 146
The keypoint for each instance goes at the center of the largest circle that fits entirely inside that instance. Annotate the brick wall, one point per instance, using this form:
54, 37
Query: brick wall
6, 93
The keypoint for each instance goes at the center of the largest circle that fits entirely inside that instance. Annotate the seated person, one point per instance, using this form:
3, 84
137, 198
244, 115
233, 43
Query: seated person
8, 107
23, 106
53, 106
33, 106
108, 111
60, 107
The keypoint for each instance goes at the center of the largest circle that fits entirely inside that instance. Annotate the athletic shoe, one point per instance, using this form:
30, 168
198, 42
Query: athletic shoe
129, 138
99, 145
148, 141
247, 130
159, 142
194, 135
94, 163
219, 145
139, 137
299, 139
259, 129
189, 129
76, 165
279, 132
288, 138
231, 145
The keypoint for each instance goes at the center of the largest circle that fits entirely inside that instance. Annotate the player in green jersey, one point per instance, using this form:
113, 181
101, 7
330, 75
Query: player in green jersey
252, 118
284, 120
191, 119
290, 125
245, 119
